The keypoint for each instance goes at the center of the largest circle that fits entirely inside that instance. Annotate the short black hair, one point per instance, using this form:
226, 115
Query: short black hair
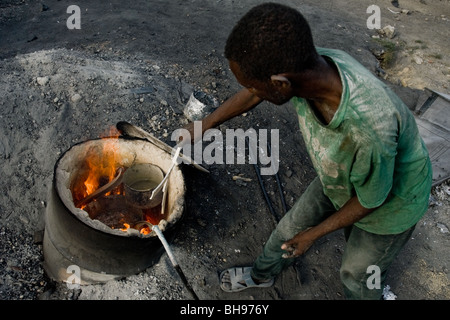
271, 39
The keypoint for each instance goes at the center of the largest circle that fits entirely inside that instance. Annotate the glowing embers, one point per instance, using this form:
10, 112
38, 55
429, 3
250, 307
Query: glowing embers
117, 213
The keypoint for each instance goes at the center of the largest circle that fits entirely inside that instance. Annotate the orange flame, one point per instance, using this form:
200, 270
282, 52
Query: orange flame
126, 227
100, 166
145, 230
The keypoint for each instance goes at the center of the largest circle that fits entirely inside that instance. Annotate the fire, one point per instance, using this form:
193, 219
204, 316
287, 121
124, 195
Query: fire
145, 230
100, 166
126, 227
153, 216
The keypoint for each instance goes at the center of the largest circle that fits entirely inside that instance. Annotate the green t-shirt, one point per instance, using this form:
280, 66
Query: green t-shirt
371, 148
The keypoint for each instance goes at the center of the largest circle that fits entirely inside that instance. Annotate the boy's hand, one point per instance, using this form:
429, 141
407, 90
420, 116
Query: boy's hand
189, 127
239, 103
298, 245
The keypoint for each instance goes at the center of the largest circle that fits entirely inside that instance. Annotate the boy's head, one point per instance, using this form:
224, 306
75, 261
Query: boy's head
271, 39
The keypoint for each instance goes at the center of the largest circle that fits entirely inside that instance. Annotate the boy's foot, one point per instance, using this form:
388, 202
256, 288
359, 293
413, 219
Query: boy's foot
239, 278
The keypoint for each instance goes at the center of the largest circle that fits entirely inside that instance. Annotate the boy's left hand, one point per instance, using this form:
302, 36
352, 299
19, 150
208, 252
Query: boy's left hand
298, 245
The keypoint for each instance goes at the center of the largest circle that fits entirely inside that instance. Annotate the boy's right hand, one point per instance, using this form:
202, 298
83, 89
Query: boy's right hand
241, 102
193, 134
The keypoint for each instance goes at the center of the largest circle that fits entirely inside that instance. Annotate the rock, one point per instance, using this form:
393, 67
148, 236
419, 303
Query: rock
32, 38
38, 237
404, 82
75, 98
388, 31
418, 59
388, 294
42, 81
442, 227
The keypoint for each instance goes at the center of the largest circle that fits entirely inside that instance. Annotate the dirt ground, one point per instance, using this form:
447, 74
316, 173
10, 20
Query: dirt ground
60, 87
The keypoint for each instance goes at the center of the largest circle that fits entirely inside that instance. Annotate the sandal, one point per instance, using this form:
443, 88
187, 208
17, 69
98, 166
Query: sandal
241, 279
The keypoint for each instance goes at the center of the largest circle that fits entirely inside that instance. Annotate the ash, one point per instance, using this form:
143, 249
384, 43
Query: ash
21, 272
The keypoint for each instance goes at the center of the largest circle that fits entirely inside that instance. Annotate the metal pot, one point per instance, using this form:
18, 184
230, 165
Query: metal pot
139, 182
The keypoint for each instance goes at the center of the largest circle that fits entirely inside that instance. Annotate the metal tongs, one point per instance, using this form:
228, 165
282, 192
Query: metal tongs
163, 184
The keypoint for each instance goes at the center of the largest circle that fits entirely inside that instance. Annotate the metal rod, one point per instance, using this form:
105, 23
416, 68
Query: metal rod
130, 130
165, 244
266, 196
173, 260
261, 183
280, 188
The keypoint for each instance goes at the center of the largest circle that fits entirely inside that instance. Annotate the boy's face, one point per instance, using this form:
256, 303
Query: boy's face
263, 90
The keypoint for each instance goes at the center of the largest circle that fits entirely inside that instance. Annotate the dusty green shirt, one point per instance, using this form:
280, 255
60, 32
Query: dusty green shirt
371, 148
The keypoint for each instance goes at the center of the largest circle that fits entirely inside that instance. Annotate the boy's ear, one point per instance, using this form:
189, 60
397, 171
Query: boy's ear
280, 80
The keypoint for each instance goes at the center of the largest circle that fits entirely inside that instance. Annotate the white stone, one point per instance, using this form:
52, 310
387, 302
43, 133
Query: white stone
417, 59
42, 80
75, 98
389, 31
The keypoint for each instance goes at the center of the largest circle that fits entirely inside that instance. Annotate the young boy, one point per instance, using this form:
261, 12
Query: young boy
374, 173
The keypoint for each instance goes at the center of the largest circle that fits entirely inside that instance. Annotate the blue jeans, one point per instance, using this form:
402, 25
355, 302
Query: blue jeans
363, 249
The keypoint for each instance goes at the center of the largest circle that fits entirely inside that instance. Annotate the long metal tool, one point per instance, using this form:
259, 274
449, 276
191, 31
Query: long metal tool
261, 183
130, 130
280, 188
170, 254
162, 183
